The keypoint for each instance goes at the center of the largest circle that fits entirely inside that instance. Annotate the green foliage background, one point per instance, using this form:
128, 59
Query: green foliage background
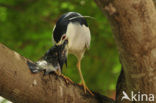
26, 27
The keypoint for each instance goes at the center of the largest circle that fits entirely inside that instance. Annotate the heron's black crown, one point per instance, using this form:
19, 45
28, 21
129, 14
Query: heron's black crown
63, 21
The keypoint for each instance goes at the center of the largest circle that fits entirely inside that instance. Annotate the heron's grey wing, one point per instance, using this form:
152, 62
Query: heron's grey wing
53, 41
87, 36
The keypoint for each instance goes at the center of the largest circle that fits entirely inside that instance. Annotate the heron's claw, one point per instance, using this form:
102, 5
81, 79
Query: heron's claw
67, 79
85, 88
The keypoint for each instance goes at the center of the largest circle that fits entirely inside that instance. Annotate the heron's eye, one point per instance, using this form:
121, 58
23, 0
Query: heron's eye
63, 37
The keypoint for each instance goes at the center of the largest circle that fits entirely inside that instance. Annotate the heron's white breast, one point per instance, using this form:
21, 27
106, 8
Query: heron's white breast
78, 38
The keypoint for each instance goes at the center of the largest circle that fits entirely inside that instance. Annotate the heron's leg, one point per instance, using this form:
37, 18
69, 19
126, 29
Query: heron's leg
82, 79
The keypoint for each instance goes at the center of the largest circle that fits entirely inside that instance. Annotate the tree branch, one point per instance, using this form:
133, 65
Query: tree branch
154, 3
19, 85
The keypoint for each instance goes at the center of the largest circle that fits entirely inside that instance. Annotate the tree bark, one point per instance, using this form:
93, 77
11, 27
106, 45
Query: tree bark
134, 25
154, 2
19, 85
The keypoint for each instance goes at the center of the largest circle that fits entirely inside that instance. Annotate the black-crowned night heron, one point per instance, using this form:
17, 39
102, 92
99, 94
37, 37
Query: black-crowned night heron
73, 27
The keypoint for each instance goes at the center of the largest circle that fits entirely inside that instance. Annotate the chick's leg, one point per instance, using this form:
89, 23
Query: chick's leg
82, 79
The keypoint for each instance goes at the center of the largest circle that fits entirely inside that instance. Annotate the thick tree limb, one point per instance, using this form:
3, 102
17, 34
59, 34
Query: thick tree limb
134, 27
20, 86
154, 2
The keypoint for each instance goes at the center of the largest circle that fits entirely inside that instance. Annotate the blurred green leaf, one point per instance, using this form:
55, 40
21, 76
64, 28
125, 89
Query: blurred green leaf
3, 14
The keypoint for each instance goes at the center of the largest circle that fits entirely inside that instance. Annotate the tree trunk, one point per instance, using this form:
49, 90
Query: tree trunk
154, 2
134, 25
19, 85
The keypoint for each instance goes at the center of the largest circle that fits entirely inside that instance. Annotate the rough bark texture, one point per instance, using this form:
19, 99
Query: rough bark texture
134, 26
19, 85
154, 2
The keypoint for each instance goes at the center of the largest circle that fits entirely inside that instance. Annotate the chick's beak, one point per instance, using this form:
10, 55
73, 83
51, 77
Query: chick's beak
65, 61
63, 54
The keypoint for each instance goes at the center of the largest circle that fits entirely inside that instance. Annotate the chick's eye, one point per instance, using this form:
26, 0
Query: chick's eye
63, 37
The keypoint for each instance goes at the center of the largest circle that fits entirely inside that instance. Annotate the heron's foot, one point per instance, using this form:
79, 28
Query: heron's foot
86, 89
67, 79
57, 72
